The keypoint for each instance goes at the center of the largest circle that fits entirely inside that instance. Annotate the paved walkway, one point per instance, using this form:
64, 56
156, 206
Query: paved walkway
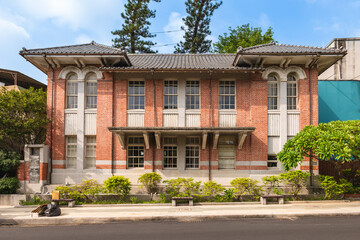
113, 213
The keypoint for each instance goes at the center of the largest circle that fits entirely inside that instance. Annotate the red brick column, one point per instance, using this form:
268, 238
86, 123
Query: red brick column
43, 171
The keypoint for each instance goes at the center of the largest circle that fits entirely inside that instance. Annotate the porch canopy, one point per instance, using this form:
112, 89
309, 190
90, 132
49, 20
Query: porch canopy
241, 132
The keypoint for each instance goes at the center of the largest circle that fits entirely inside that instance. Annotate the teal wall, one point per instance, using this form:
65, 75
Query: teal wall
339, 100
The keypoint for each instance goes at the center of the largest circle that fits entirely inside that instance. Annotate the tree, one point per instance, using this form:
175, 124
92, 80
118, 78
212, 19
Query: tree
135, 28
334, 141
197, 26
22, 119
243, 36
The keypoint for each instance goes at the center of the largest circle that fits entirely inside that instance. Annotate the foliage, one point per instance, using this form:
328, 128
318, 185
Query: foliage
163, 198
212, 189
22, 118
133, 200
36, 200
274, 184
8, 185
296, 179
135, 28
243, 36
246, 186
151, 183
332, 188
86, 191
182, 187
196, 27
119, 185
334, 141
9, 162
352, 176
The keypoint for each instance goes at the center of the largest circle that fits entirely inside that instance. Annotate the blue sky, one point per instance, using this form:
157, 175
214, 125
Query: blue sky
48, 23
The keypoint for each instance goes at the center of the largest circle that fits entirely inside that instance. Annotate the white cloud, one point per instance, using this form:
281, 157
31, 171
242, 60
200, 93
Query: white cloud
10, 30
175, 23
83, 39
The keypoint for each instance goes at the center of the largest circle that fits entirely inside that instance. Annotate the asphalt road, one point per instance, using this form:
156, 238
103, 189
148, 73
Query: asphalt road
303, 228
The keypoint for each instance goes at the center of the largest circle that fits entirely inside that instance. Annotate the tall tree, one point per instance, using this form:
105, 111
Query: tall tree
197, 26
243, 36
135, 28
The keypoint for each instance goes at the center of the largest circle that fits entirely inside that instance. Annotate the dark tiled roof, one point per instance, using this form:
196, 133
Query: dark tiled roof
274, 48
22, 79
92, 48
180, 61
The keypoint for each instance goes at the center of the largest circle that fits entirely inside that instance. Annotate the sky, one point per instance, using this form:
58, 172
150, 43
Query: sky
51, 23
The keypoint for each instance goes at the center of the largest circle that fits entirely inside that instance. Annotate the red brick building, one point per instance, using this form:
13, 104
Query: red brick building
207, 116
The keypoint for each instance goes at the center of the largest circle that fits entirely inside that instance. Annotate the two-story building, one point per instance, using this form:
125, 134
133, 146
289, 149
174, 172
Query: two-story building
206, 116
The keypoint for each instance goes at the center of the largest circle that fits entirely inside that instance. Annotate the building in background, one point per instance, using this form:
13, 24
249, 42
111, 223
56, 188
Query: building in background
17, 80
206, 116
339, 85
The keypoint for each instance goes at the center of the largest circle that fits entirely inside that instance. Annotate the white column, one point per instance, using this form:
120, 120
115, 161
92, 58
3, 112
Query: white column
283, 112
181, 102
181, 141
80, 125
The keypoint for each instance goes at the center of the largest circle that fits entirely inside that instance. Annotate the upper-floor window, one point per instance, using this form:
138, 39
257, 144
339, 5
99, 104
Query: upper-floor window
91, 91
227, 95
291, 92
136, 95
273, 93
192, 95
71, 91
170, 95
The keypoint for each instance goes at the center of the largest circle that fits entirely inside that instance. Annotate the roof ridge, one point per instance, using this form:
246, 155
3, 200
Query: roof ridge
74, 45
259, 46
310, 47
106, 46
180, 54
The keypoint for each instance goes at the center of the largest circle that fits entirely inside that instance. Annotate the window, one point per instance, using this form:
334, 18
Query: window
272, 161
170, 152
192, 95
71, 91
227, 95
273, 93
170, 95
136, 95
91, 91
192, 158
71, 150
90, 152
227, 152
135, 152
291, 93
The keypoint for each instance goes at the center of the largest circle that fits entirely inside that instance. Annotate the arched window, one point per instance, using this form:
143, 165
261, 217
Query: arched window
91, 90
273, 92
292, 92
71, 91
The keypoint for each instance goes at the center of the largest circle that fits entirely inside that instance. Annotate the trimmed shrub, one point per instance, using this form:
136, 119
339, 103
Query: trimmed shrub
246, 186
8, 185
183, 187
332, 188
273, 183
119, 185
86, 191
212, 189
151, 183
296, 180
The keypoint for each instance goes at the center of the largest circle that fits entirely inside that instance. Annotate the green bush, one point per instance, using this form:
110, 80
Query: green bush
9, 163
119, 185
151, 183
33, 201
352, 176
273, 183
246, 186
183, 187
212, 189
86, 191
332, 188
8, 185
296, 180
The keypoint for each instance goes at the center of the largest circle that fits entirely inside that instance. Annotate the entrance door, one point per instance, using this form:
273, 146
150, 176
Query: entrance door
227, 152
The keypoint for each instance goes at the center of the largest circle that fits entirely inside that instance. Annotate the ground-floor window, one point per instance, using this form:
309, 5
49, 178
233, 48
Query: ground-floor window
135, 152
192, 157
227, 152
272, 161
90, 152
71, 151
170, 152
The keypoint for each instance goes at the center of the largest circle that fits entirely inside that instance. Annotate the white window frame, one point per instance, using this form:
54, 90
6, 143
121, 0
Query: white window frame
135, 95
171, 144
195, 160
87, 157
68, 156
277, 82
296, 92
91, 96
175, 95
196, 107
230, 95
72, 83
220, 145
139, 146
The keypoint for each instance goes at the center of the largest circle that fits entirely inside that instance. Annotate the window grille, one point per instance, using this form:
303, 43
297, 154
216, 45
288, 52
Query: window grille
273, 93
135, 152
291, 93
71, 151
192, 95
192, 157
170, 152
71, 91
272, 161
91, 91
227, 95
90, 152
136, 95
170, 95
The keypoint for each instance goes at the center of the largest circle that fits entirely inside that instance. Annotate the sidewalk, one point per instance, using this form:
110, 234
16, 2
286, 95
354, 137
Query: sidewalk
102, 214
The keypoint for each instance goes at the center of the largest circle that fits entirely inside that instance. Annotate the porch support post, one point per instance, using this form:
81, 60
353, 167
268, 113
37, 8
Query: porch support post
121, 137
204, 139
146, 140
158, 140
241, 140
216, 140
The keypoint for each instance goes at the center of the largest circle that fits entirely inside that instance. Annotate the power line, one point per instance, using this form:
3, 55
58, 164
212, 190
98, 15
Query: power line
164, 45
169, 31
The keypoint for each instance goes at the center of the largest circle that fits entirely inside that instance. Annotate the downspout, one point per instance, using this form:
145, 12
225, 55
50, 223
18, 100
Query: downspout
113, 123
155, 117
210, 120
310, 109
52, 117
